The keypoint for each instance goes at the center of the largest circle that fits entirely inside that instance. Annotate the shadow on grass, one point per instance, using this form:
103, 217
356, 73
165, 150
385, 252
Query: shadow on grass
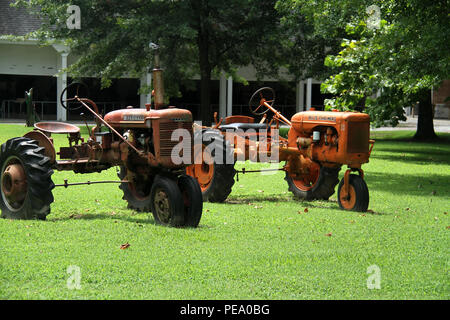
415, 158
433, 185
413, 151
332, 204
122, 217
335, 206
106, 216
407, 136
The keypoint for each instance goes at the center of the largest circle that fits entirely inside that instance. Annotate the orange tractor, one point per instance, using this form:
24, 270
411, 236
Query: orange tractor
136, 140
317, 145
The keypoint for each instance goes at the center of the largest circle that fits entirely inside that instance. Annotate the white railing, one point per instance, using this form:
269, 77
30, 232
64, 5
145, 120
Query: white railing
18, 108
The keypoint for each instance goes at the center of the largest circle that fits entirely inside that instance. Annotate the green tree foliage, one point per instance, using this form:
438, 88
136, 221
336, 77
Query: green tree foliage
393, 52
197, 37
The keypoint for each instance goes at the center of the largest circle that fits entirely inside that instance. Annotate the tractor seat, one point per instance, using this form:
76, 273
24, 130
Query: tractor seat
56, 127
244, 126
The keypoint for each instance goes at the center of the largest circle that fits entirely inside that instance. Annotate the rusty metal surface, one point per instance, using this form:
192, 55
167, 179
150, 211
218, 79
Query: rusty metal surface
56, 127
14, 183
67, 184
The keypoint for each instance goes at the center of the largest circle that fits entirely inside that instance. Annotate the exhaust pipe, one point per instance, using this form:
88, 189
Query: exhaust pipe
158, 83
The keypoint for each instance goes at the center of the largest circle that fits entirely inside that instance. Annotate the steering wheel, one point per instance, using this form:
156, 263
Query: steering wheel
265, 94
78, 85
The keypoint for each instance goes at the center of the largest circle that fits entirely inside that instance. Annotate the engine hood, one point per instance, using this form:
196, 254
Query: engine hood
140, 116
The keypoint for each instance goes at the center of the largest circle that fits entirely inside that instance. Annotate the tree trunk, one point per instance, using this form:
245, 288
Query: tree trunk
205, 69
205, 96
425, 127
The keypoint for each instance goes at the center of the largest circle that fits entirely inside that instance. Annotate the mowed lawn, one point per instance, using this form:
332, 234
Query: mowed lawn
260, 244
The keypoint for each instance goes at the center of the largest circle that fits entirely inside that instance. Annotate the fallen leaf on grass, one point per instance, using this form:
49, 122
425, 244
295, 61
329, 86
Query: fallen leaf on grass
328, 234
306, 210
125, 246
113, 213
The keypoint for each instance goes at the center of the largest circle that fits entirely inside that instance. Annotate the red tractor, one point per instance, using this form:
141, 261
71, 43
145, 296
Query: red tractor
136, 140
317, 145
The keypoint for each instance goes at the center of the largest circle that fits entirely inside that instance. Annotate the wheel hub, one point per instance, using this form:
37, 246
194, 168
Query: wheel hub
14, 185
348, 201
203, 168
162, 206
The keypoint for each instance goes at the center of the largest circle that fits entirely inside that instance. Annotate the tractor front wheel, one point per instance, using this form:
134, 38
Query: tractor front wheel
26, 184
166, 201
193, 201
358, 194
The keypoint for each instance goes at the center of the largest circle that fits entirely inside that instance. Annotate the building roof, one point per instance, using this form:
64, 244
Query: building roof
16, 21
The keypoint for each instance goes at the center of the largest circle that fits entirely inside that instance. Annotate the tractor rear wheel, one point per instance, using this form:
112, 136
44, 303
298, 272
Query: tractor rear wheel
215, 179
137, 192
193, 202
166, 201
358, 197
318, 184
26, 184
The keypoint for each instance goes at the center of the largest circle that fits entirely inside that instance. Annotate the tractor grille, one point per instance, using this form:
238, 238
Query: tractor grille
166, 129
358, 137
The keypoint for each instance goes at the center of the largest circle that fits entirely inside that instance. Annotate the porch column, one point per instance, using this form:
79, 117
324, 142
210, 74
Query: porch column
222, 96
300, 96
61, 81
230, 96
61, 113
308, 93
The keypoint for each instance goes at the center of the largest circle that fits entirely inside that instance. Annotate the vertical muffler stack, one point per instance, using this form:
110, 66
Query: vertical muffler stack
158, 83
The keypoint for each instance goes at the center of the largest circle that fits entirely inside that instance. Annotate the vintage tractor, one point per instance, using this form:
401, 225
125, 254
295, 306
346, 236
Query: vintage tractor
317, 145
136, 140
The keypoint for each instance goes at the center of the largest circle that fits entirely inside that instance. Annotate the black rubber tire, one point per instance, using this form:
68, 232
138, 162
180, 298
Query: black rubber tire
223, 176
323, 189
38, 171
135, 202
175, 212
193, 201
361, 192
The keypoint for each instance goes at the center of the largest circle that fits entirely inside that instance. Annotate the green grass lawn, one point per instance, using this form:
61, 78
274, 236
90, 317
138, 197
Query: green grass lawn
260, 244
